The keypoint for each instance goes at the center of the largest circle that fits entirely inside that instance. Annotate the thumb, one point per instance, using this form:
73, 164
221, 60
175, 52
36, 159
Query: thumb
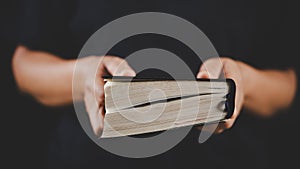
117, 66
203, 74
211, 69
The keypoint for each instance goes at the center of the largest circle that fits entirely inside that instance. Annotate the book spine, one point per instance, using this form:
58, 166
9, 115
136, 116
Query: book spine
230, 99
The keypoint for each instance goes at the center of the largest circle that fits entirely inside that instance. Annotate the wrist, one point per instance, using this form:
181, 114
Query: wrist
77, 67
248, 75
84, 70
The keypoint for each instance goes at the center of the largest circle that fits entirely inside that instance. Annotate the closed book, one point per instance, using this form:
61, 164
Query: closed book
144, 105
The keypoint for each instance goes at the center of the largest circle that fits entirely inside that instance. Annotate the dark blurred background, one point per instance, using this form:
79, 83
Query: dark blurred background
27, 125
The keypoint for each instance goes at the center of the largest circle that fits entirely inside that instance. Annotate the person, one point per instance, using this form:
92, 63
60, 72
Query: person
52, 33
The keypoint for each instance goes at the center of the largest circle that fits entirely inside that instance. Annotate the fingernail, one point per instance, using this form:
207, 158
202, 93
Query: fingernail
219, 131
202, 74
99, 134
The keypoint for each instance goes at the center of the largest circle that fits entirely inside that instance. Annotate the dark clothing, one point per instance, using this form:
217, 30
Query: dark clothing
262, 34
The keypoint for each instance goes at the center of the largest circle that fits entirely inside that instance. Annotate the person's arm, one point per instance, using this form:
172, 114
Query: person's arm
268, 91
264, 92
44, 76
49, 79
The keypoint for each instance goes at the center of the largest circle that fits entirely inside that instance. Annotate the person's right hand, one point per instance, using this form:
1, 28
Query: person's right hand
91, 69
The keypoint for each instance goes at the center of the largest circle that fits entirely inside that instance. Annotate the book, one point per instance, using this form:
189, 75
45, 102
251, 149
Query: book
142, 105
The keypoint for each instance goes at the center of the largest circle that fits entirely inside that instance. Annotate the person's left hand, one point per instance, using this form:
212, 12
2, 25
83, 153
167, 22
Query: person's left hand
212, 68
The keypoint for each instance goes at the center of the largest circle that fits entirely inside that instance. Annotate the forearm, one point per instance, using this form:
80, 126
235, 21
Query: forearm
46, 77
267, 91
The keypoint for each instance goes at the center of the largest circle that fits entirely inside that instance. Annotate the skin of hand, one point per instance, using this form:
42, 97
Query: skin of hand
230, 70
260, 91
91, 69
54, 81
49, 79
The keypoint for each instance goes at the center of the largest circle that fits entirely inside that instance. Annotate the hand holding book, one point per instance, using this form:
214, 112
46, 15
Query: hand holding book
231, 69
92, 69
263, 92
257, 90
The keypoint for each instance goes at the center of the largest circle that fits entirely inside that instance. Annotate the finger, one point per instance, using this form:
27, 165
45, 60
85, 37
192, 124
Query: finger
208, 127
99, 89
216, 128
95, 112
117, 66
230, 71
219, 131
211, 68
226, 124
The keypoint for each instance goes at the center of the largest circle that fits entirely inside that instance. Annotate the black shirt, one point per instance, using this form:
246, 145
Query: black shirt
260, 33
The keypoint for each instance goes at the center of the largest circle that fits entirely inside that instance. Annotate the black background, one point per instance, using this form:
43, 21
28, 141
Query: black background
253, 142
